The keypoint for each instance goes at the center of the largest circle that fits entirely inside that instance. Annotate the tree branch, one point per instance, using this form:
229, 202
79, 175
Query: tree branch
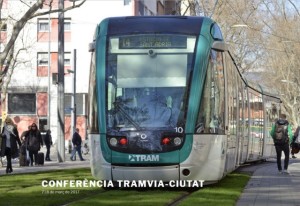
58, 10
13, 65
294, 7
187, 8
19, 25
7, 65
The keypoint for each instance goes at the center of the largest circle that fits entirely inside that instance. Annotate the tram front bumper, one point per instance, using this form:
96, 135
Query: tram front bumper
161, 173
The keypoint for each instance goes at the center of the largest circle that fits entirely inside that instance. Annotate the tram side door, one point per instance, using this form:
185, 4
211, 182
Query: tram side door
231, 109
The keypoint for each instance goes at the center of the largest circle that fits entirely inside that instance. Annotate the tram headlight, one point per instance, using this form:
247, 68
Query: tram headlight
171, 141
113, 141
177, 141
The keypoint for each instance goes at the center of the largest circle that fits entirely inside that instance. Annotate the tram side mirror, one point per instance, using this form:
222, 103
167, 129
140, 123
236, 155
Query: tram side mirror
220, 46
92, 47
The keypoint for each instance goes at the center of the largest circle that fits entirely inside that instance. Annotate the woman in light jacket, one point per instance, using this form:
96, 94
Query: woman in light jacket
9, 140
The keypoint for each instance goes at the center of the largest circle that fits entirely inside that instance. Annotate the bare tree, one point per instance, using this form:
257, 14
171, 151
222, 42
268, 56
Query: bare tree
245, 43
284, 57
8, 56
264, 37
269, 45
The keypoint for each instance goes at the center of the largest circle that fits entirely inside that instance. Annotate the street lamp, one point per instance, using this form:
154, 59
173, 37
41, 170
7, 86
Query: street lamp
239, 25
49, 62
287, 81
73, 96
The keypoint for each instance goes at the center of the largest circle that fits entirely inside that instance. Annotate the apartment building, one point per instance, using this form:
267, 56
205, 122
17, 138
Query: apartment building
32, 91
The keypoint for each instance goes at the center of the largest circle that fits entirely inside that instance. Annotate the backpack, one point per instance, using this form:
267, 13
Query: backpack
33, 143
281, 134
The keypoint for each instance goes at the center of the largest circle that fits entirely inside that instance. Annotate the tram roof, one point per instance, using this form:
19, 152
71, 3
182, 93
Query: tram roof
187, 24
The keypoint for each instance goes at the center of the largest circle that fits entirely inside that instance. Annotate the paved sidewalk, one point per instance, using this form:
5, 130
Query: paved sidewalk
52, 165
268, 187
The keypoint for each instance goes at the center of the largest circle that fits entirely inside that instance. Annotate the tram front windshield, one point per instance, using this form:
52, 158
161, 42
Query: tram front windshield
147, 81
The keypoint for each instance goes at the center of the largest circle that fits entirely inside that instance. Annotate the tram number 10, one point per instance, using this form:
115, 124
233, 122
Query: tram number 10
179, 129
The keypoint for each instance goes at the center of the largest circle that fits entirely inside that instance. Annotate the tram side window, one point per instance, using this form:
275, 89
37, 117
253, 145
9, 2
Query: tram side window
92, 103
241, 122
246, 111
256, 111
261, 118
211, 113
232, 93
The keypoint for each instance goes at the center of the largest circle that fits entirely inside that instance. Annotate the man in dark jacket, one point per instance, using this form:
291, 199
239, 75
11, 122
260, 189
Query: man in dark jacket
282, 136
76, 140
48, 143
9, 140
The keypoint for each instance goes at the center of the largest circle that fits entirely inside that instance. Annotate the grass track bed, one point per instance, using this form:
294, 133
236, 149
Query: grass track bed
26, 189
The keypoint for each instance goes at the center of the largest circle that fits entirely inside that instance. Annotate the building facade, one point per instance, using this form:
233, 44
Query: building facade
31, 95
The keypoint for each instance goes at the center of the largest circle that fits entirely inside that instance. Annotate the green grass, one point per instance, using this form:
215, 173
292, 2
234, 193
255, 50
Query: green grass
26, 189
224, 193
131, 197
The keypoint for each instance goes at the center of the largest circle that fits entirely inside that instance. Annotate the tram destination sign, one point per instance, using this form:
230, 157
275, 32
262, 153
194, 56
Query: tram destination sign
152, 42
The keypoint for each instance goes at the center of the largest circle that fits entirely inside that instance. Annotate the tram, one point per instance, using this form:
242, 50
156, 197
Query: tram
167, 102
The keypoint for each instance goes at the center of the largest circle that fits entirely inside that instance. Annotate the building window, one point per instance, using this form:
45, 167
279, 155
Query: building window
42, 59
127, 2
3, 25
24, 103
43, 125
67, 58
80, 102
67, 25
43, 25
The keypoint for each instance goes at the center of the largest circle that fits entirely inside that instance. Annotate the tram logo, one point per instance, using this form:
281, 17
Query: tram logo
143, 158
143, 136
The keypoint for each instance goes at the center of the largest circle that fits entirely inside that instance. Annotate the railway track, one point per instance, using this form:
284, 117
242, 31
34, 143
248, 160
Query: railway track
173, 202
86, 197
182, 197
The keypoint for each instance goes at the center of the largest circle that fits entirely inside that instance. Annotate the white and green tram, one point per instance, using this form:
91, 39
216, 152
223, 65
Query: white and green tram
167, 102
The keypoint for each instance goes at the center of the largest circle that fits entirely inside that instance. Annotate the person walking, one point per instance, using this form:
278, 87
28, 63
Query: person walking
295, 145
48, 143
23, 135
34, 142
282, 135
9, 140
76, 140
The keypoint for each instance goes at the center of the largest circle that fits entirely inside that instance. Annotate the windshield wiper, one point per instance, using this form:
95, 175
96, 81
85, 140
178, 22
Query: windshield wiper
119, 107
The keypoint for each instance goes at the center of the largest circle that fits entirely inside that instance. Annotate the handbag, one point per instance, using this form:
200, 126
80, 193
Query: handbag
27, 156
295, 150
